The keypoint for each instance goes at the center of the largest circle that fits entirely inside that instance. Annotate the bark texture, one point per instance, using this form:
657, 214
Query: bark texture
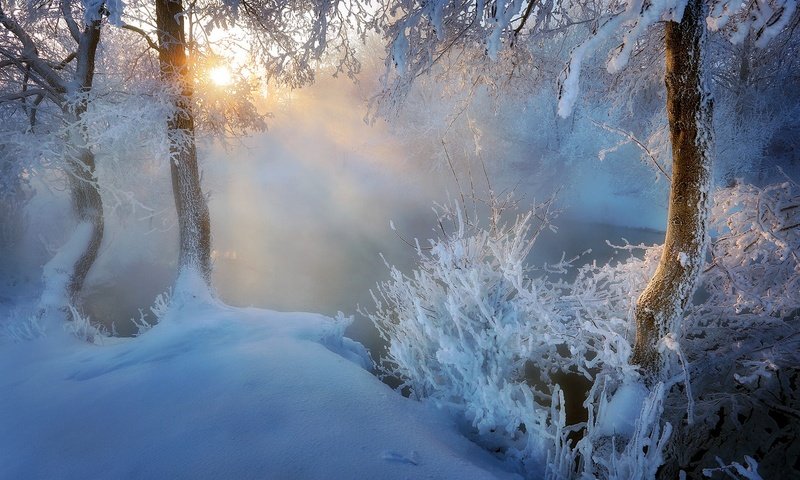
660, 307
88, 207
86, 200
194, 222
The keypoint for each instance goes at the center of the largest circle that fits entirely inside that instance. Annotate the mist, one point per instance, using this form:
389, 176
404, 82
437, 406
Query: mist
301, 213
399, 240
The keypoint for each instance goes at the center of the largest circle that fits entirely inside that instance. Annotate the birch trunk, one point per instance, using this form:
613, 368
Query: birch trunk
194, 222
660, 307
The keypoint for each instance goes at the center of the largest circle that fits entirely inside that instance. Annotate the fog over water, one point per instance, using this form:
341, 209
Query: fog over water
300, 213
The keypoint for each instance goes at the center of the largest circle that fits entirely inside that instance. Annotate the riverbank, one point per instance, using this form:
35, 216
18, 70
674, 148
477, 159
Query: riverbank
214, 391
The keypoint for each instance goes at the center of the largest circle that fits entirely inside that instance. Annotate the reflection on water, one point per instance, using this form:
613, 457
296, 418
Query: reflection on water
336, 272
325, 269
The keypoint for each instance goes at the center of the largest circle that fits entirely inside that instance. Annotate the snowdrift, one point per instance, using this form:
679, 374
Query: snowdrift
214, 391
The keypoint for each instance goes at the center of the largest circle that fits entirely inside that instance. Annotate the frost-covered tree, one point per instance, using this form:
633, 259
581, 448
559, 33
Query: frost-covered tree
194, 223
49, 68
421, 33
286, 40
756, 106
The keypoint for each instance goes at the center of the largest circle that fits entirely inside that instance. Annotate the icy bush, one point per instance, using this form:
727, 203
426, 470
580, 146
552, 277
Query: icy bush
755, 267
81, 327
21, 327
473, 330
159, 309
468, 324
461, 328
741, 338
24, 329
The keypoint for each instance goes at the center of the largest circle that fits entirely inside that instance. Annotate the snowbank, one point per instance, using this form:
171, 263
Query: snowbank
219, 392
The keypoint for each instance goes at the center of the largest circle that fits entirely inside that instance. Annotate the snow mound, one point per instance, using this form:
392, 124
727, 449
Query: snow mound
214, 391
620, 415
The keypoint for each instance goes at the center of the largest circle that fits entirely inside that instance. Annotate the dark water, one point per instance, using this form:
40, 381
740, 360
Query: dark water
328, 272
584, 240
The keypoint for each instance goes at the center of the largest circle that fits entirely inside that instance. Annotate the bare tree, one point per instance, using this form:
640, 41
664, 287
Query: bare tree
287, 40
40, 77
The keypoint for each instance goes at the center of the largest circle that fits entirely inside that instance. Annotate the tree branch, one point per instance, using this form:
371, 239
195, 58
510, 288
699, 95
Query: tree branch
22, 65
63, 63
524, 19
638, 143
20, 95
30, 53
152, 44
66, 12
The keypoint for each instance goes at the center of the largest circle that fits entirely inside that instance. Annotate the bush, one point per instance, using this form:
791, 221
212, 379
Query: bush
470, 324
465, 325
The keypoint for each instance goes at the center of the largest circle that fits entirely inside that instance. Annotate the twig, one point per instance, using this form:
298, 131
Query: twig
638, 143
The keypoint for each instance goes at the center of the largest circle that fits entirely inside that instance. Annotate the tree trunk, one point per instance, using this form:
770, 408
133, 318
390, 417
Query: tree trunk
88, 207
194, 222
66, 272
659, 309
86, 200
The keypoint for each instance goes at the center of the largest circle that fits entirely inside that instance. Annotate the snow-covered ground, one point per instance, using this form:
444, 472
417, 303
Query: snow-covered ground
214, 391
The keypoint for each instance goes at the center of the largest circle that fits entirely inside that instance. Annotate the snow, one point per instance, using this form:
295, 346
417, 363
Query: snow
56, 273
683, 259
620, 415
214, 391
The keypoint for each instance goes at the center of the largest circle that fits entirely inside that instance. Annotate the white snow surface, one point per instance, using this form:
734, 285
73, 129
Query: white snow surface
218, 392
620, 415
56, 272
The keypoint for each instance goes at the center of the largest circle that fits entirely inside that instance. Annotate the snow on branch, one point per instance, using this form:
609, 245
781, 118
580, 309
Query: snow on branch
419, 34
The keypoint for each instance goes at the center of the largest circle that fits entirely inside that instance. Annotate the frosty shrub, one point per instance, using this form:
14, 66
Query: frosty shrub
755, 267
741, 338
81, 327
19, 328
473, 330
159, 309
461, 328
468, 324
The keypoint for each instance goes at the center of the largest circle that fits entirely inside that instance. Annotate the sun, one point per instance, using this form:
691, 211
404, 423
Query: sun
221, 76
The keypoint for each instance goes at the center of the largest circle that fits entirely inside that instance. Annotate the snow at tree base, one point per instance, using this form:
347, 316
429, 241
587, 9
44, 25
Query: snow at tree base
565, 236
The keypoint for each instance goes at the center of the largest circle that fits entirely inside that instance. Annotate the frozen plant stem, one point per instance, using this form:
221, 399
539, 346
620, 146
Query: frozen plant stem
660, 307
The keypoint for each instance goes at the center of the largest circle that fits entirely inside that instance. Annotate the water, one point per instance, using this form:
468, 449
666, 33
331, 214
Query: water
329, 271
574, 239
